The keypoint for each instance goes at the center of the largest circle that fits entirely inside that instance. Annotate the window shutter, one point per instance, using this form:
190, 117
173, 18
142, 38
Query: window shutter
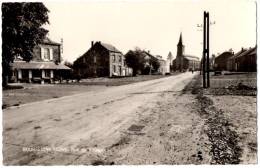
42, 53
51, 54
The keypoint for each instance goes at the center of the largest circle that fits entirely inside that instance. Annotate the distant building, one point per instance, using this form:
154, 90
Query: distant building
220, 63
184, 62
164, 65
148, 67
44, 67
102, 60
243, 61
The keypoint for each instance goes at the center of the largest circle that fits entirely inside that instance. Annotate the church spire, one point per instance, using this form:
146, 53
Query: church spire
180, 40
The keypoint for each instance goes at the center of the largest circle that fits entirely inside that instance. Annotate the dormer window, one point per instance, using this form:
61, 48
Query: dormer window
47, 54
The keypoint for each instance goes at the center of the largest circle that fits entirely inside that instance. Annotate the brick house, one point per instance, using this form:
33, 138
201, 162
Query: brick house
221, 61
243, 61
45, 65
101, 60
184, 62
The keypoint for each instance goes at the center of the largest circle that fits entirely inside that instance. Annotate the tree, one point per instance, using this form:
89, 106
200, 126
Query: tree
155, 64
135, 60
170, 57
21, 31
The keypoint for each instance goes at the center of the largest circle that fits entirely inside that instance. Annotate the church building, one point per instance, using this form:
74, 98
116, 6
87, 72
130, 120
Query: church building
184, 62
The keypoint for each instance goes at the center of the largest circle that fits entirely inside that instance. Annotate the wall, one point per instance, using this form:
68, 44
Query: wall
55, 49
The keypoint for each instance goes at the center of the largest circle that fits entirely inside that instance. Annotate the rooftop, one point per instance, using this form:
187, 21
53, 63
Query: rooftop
38, 65
191, 57
49, 41
109, 47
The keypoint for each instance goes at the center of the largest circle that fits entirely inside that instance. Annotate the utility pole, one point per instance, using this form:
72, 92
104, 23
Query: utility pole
205, 59
208, 70
204, 50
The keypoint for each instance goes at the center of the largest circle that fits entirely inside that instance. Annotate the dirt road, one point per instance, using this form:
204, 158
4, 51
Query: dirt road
150, 122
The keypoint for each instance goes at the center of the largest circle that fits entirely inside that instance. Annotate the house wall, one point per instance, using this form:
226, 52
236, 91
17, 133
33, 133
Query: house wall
183, 64
95, 62
193, 65
54, 49
246, 63
221, 62
117, 66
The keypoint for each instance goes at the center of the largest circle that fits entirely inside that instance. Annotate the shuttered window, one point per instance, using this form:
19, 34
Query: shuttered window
46, 54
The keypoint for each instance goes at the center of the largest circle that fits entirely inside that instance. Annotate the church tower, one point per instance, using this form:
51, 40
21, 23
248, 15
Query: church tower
180, 47
180, 54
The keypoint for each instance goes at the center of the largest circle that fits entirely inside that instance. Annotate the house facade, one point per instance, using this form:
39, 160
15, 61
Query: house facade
45, 65
221, 61
102, 60
184, 62
164, 65
243, 61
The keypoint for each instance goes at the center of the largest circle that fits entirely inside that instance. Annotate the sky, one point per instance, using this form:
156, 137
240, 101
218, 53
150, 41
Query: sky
151, 25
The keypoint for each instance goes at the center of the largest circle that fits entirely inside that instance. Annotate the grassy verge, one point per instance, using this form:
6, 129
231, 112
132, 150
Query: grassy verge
222, 106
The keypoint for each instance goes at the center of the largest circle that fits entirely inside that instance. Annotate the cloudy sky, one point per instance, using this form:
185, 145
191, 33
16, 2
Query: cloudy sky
151, 25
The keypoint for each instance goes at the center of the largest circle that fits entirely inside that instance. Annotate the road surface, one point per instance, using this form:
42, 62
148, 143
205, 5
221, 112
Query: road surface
149, 122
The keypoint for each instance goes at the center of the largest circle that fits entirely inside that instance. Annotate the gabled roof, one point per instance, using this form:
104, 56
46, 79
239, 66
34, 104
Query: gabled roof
253, 52
150, 55
49, 41
226, 54
110, 47
246, 52
190, 57
237, 54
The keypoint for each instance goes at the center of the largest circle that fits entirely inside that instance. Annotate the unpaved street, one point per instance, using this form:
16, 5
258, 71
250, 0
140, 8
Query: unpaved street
142, 123
162, 121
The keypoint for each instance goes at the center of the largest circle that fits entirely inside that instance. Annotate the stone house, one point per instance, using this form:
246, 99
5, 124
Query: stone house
45, 65
101, 60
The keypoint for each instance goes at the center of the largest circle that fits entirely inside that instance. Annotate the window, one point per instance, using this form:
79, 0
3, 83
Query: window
114, 58
120, 59
46, 54
114, 68
95, 59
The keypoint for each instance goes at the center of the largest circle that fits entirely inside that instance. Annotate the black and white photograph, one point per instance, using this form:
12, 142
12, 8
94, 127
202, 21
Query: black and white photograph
120, 82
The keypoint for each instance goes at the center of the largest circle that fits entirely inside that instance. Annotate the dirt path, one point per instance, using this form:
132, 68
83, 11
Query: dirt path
150, 122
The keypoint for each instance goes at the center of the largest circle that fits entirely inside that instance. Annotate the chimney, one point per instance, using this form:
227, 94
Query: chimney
92, 43
148, 51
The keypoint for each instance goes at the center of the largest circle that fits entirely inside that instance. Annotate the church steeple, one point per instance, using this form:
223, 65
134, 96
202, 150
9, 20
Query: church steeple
180, 40
180, 47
